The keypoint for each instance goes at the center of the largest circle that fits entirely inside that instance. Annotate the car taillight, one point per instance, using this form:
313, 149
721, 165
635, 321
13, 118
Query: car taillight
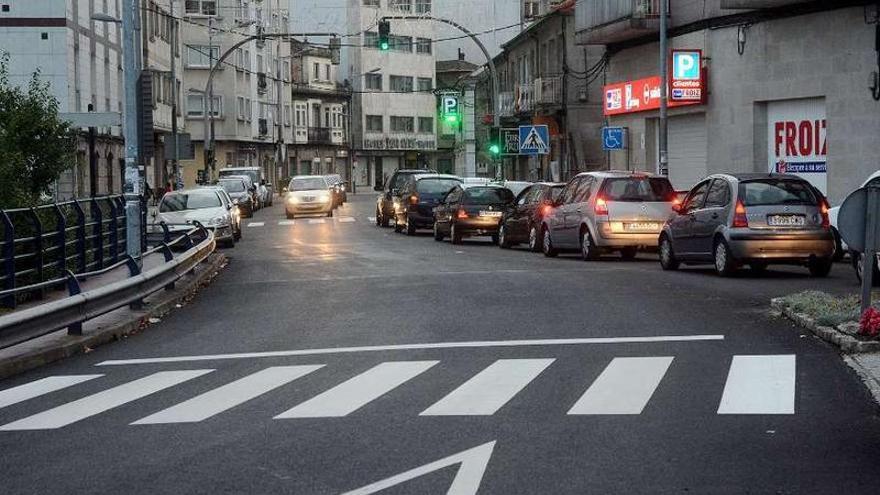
545, 210
413, 200
823, 209
461, 214
601, 207
740, 220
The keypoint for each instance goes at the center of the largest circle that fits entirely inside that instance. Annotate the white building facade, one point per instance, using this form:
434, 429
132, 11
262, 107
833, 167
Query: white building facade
395, 110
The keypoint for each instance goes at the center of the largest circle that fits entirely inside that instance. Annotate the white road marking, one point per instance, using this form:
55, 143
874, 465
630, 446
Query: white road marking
228, 396
316, 220
624, 387
102, 401
467, 480
345, 219
287, 222
759, 385
256, 224
490, 389
372, 219
40, 387
355, 393
407, 347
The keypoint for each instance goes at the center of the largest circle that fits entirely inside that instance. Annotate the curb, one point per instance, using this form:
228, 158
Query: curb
156, 306
846, 343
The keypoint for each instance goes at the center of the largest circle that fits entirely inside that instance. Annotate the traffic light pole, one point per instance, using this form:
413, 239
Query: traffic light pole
131, 181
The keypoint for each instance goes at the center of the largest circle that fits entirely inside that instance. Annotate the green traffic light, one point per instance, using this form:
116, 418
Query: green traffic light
384, 45
494, 149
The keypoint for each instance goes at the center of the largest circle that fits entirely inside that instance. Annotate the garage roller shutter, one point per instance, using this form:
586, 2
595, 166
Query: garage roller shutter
687, 150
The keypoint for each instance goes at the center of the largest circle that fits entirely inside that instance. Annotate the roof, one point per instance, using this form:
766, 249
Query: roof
455, 66
565, 8
436, 176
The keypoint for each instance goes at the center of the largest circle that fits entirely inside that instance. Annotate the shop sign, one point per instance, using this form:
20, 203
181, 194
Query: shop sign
797, 140
687, 76
399, 143
636, 96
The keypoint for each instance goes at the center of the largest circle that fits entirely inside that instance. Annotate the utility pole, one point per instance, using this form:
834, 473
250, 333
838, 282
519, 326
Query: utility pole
93, 159
663, 168
208, 107
174, 96
132, 182
279, 120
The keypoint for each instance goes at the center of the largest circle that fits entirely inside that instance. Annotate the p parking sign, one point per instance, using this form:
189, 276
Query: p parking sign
687, 75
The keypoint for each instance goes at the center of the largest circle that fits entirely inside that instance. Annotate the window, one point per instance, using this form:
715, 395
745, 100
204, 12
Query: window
402, 5
201, 56
719, 194
638, 189
777, 192
583, 191
425, 84
423, 45
259, 63
426, 124
327, 117
402, 124
373, 82
247, 60
401, 83
195, 106
371, 3
287, 115
326, 72
423, 6
371, 39
694, 199
242, 109
316, 71
249, 109
530, 9
239, 59
401, 43
374, 123
286, 71
568, 193
201, 7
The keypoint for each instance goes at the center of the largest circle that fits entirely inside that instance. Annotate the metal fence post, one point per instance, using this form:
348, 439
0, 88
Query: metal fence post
134, 269
61, 238
73, 289
169, 255
80, 237
38, 250
114, 237
8, 254
98, 233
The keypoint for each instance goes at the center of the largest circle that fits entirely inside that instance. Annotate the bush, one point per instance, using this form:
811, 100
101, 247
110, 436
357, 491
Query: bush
826, 309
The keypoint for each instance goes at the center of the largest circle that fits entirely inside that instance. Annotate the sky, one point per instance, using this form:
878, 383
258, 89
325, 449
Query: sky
475, 15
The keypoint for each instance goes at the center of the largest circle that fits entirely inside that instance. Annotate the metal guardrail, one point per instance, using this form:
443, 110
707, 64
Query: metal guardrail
79, 306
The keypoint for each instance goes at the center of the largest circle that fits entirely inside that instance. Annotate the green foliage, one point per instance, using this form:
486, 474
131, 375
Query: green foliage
35, 146
826, 309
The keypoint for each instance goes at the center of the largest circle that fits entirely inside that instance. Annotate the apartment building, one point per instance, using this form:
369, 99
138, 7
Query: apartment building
249, 116
321, 107
394, 108
785, 87
81, 59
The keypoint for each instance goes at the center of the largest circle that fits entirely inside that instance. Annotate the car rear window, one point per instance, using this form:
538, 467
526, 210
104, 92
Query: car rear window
436, 186
764, 192
310, 184
232, 186
555, 192
638, 189
189, 201
488, 195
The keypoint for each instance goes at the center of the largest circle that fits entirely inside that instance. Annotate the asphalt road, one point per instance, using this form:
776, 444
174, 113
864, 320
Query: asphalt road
331, 355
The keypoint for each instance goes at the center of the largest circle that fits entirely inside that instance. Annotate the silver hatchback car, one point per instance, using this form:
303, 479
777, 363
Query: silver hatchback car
599, 212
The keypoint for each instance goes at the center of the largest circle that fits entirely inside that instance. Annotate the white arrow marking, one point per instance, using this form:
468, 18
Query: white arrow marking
467, 479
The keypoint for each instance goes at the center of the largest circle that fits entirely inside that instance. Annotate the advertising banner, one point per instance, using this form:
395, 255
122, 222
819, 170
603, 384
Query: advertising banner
796, 140
637, 96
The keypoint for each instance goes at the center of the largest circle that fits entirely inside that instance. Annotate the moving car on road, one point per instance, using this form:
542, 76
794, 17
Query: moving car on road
208, 206
237, 189
753, 219
521, 221
469, 211
420, 195
308, 194
264, 189
598, 212
390, 193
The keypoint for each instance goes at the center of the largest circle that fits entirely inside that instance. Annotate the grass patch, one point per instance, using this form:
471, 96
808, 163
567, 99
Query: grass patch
825, 309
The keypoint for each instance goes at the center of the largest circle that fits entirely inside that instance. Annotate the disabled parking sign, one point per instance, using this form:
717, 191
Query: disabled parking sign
613, 138
534, 140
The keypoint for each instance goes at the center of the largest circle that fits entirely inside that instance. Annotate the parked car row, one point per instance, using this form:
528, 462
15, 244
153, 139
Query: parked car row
726, 220
248, 187
314, 194
211, 206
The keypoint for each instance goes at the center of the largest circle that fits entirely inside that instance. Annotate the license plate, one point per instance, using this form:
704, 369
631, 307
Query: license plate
490, 213
642, 226
786, 220
309, 199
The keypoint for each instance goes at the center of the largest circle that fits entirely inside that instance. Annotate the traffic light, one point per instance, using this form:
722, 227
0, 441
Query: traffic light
495, 142
384, 33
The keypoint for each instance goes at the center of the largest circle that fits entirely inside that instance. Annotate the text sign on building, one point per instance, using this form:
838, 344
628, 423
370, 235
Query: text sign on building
644, 94
613, 138
686, 81
510, 141
797, 140
534, 140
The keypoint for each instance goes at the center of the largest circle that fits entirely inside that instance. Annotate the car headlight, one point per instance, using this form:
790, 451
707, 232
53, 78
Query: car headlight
324, 197
293, 199
217, 221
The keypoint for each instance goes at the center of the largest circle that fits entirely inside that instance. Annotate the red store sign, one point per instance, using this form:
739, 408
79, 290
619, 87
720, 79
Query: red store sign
644, 94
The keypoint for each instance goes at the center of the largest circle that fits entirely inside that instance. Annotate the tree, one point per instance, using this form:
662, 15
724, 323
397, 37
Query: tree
35, 145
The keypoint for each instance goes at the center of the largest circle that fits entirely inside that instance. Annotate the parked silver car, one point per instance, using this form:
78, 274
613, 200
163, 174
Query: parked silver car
598, 212
754, 219
209, 206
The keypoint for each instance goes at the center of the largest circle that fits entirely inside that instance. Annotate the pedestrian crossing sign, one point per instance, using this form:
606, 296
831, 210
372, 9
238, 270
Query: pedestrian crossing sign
534, 140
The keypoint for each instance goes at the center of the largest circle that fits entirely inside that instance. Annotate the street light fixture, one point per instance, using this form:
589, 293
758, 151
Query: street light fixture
102, 17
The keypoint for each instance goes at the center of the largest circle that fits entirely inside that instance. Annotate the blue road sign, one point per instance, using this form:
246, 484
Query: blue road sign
534, 140
613, 138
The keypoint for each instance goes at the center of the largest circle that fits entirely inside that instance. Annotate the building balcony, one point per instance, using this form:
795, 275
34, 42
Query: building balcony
518, 101
758, 4
326, 135
602, 22
548, 91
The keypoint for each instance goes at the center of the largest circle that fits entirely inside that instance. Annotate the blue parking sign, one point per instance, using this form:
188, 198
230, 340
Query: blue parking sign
613, 138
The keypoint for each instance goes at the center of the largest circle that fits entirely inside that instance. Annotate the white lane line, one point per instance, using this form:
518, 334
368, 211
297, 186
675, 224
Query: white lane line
490, 389
228, 396
91, 405
316, 220
351, 395
372, 219
624, 387
287, 222
409, 347
256, 224
40, 387
346, 219
759, 385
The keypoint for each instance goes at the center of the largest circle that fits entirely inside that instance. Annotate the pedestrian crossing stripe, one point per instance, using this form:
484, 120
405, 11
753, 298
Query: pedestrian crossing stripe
346, 219
256, 224
754, 385
316, 220
287, 222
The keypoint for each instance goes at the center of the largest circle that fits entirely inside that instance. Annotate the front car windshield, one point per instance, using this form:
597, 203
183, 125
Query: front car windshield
436, 186
232, 186
638, 189
488, 195
194, 200
307, 184
555, 192
764, 192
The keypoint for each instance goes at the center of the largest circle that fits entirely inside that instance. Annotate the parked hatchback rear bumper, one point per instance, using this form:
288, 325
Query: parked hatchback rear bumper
781, 247
609, 238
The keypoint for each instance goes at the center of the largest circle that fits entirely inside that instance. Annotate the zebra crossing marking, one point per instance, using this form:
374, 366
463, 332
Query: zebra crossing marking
759, 385
228, 396
624, 387
346, 219
357, 392
91, 405
40, 387
287, 222
316, 220
487, 391
371, 219
256, 224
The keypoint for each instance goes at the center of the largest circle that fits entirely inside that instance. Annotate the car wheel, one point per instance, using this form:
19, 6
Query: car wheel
236, 236
438, 236
534, 239
667, 256
629, 253
229, 243
502, 238
398, 227
589, 251
820, 267
455, 235
547, 244
410, 228
725, 264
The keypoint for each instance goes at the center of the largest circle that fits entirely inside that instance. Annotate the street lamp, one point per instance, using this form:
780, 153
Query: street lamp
101, 17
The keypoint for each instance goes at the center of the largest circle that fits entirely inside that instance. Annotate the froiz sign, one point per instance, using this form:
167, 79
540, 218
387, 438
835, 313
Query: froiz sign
687, 81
